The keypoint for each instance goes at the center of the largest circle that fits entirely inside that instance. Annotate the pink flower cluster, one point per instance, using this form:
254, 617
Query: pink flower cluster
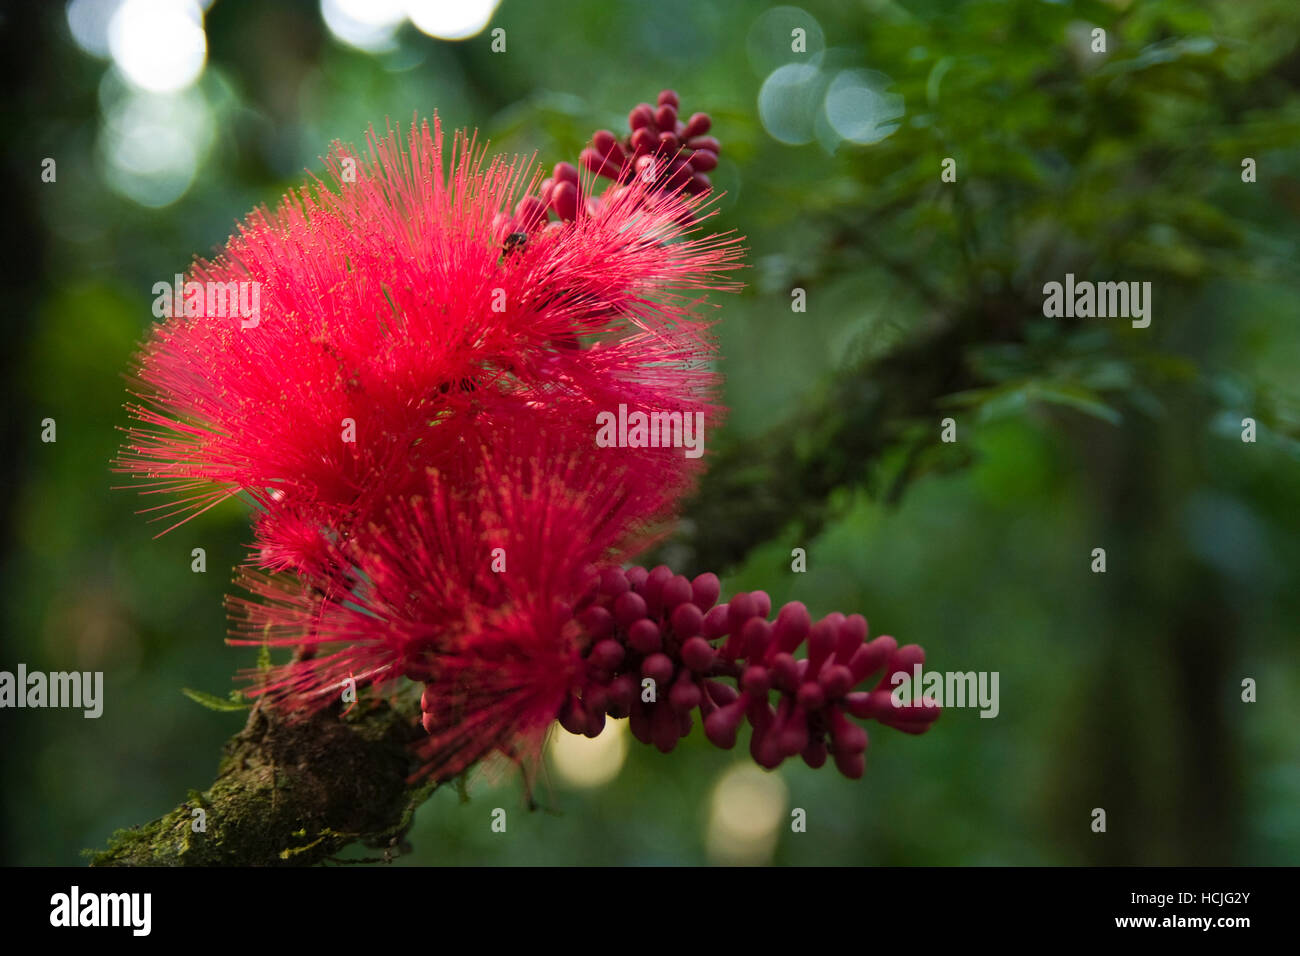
653, 633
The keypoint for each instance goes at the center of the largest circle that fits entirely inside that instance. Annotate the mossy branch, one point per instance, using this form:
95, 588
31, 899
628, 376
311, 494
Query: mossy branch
290, 794
786, 476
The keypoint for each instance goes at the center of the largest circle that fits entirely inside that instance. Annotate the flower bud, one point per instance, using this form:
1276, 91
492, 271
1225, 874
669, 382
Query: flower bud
622, 692
629, 608
613, 582
870, 657
821, 641
530, 212
852, 632
814, 755
740, 609
639, 723
715, 622
722, 725
785, 673
722, 694
686, 621
755, 638
698, 125
643, 636
598, 164
847, 736
765, 748
565, 173
698, 655
791, 627
595, 698
606, 655
596, 622
573, 717
699, 184
903, 661
659, 668
564, 201
852, 765
705, 589
606, 144
811, 696
755, 680
641, 115
665, 729
794, 732
836, 680
685, 695
644, 141
677, 590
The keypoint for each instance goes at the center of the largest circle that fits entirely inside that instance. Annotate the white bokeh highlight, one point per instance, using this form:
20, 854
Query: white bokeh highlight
158, 45
746, 813
369, 25
583, 762
457, 20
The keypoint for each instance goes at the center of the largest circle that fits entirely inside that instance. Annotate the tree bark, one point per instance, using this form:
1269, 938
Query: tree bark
290, 794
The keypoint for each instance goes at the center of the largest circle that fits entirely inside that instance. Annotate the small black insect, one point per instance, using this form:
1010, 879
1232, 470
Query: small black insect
516, 240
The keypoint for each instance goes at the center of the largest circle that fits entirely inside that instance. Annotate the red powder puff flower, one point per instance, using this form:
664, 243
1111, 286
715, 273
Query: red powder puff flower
414, 409
468, 586
392, 321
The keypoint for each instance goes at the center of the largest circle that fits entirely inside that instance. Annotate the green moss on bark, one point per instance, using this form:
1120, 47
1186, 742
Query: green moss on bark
290, 794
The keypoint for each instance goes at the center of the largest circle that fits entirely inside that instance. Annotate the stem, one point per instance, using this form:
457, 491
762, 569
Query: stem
290, 794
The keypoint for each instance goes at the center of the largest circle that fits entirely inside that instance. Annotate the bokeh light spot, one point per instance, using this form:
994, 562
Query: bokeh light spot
748, 808
589, 761
772, 39
447, 20
369, 25
858, 107
158, 45
789, 100
88, 23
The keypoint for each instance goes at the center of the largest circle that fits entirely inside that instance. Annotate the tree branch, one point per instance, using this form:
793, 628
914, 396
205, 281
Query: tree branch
290, 794
759, 486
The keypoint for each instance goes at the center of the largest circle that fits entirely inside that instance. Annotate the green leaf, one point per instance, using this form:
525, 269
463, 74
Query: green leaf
213, 702
1077, 398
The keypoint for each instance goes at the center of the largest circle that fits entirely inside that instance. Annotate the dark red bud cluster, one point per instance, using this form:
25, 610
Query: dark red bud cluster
661, 147
667, 152
640, 624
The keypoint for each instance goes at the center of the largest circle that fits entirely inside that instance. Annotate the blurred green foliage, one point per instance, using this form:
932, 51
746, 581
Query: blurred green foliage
924, 298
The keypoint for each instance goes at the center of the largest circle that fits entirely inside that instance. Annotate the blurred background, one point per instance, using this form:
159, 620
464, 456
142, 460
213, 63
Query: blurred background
168, 120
